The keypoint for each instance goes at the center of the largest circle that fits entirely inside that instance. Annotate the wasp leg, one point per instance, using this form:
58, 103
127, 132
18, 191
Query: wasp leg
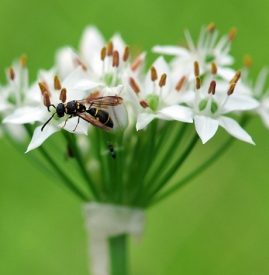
76, 125
66, 121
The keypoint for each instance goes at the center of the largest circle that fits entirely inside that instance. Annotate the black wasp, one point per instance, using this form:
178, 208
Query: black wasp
100, 118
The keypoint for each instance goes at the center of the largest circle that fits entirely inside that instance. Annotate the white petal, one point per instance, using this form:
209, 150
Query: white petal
239, 102
226, 73
27, 115
72, 123
119, 116
171, 50
143, 120
86, 84
112, 91
233, 128
206, 127
40, 136
264, 114
177, 112
65, 61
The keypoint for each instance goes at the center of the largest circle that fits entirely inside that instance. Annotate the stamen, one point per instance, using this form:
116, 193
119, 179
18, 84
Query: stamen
214, 68
103, 53
153, 73
162, 80
236, 77
126, 53
134, 85
212, 87
198, 82
46, 99
11, 73
211, 27
115, 62
109, 48
196, 68
247, 61
136, 64
79, 62
57, 83
231, 89
180, 83
144, 103
43, 87
62, 96
23, 61
232, 34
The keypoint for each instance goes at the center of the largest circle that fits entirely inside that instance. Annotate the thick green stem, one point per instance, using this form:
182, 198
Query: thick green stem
118, 255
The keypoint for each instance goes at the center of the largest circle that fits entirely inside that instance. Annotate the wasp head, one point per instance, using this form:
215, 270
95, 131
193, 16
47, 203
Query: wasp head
60, 110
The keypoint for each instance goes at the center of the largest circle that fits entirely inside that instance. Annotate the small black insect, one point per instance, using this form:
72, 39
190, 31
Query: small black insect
112, 151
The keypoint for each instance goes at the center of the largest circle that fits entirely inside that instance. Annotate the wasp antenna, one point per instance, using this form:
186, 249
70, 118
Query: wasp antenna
50, 106
48, 120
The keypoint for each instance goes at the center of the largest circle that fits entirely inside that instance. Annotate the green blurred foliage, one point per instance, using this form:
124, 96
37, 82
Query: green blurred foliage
217, 224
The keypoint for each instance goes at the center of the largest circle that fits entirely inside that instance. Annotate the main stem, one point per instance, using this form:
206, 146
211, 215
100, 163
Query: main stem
118, 255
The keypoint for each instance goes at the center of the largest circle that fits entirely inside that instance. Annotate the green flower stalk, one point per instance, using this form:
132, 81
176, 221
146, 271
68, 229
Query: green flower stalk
126, 133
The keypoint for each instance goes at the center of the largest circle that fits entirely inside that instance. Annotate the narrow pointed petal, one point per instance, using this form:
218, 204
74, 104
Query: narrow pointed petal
233, 128
27, 114
176, 112
240, 102
171, 50
206, 127
40, 136
143, 120
72, 123
264, 114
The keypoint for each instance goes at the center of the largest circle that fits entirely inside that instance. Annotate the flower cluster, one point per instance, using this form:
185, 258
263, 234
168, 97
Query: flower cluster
129, 112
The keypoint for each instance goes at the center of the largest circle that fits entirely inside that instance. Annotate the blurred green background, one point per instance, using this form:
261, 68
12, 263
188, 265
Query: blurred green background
217, 224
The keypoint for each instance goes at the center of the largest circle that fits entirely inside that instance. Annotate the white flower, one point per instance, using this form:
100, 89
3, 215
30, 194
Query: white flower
157, 97
205, 52
211, 102
262, 96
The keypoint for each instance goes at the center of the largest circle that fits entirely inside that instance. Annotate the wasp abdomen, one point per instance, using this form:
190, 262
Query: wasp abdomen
102, 116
